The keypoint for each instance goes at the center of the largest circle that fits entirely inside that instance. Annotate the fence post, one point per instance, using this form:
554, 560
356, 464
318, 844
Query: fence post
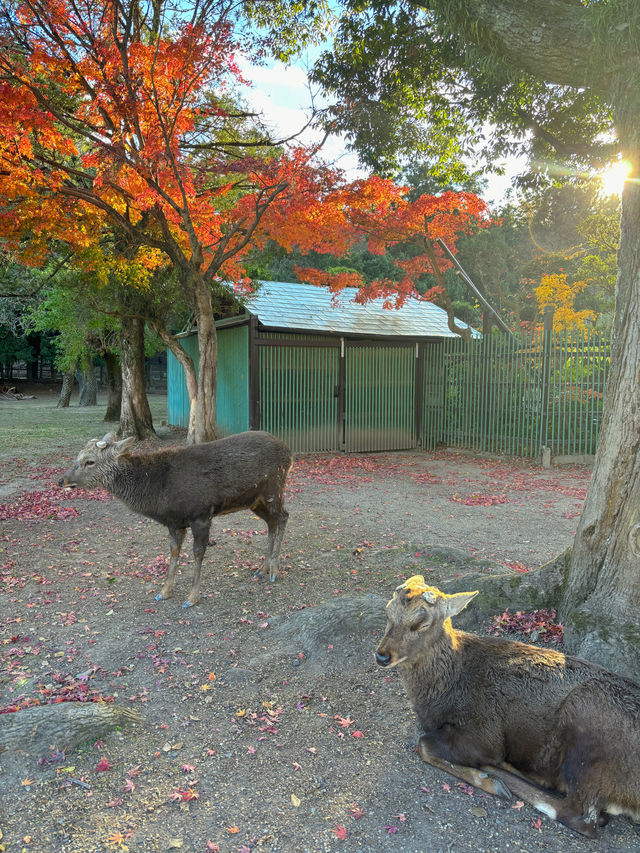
487, 379
547, 340
254, 374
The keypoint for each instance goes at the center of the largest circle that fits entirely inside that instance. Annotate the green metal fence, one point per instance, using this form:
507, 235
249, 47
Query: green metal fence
514, 396
517, 396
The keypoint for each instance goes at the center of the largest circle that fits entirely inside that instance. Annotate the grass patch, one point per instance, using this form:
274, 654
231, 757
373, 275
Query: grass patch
35, 428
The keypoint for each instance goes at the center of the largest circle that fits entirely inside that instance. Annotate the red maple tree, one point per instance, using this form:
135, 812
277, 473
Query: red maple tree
116, 117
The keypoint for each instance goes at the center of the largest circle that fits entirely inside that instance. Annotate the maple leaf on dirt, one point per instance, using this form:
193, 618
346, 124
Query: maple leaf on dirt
116, 840
102, 766
185, 796
390, 829
340, 833
356, 812
129, 786
345, 722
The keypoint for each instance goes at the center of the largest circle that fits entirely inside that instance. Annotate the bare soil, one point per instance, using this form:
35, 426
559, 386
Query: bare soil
264, 722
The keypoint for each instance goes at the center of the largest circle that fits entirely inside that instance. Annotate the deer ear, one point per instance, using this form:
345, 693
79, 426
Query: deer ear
121, 447
453, 604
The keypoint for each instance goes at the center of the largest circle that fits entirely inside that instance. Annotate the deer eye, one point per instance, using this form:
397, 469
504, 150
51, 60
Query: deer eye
419, 621
90, 462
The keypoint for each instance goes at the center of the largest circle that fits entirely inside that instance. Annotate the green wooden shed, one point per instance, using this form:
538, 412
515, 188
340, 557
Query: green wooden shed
324, 372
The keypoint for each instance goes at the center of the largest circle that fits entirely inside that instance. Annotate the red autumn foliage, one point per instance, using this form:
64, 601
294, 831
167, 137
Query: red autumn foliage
104, 120
538, 625
46, 503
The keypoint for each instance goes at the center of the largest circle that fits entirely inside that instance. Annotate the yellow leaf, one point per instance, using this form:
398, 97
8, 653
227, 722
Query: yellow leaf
27, 782
296, 802
241, 712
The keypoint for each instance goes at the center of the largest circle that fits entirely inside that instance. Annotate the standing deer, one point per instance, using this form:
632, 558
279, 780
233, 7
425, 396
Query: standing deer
560, 733
186, 486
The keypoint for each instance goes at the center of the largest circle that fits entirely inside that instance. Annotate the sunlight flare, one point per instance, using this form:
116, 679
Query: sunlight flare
613, 177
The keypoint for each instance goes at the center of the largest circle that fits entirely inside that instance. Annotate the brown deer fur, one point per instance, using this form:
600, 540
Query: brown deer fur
186, 486
494, 709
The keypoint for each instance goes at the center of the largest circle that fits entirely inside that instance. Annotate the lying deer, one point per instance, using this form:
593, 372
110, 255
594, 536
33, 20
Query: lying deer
186, 486
559, 733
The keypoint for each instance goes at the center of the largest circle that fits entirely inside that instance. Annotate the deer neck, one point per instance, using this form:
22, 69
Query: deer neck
430, 679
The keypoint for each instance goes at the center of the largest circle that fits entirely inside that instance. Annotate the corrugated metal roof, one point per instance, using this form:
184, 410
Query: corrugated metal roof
305, 307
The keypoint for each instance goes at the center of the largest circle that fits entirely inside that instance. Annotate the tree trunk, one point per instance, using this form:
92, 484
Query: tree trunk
204, 423
135, 414
114, 386
602, 592
563, 43
67, 388
188, 367
88, 389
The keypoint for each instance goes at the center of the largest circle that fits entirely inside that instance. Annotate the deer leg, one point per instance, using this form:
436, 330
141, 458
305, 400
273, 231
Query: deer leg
176, 538
502, 782
556, 807
200, 530
478, 777
275, 516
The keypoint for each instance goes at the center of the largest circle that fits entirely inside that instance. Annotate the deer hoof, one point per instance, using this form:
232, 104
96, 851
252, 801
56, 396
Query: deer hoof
500, 789
160, 597
187, 603
272, 577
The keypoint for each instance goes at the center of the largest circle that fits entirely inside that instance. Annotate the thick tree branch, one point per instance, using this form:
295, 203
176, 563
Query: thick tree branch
554, 40
462, 331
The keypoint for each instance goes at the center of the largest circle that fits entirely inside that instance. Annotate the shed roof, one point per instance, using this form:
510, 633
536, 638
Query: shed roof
304, 307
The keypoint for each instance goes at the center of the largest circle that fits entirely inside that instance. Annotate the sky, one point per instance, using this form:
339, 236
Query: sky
282, 94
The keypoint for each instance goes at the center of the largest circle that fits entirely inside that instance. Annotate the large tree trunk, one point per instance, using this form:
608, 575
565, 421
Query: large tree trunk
204, 423
67, 388
114, 386
563, 43
602, 593
88, 388
135, 414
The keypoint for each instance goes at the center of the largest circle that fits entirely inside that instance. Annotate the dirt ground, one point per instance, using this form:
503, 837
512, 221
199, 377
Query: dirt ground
264, 722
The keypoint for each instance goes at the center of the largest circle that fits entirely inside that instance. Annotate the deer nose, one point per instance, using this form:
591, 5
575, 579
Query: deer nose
383, 658
61, 481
